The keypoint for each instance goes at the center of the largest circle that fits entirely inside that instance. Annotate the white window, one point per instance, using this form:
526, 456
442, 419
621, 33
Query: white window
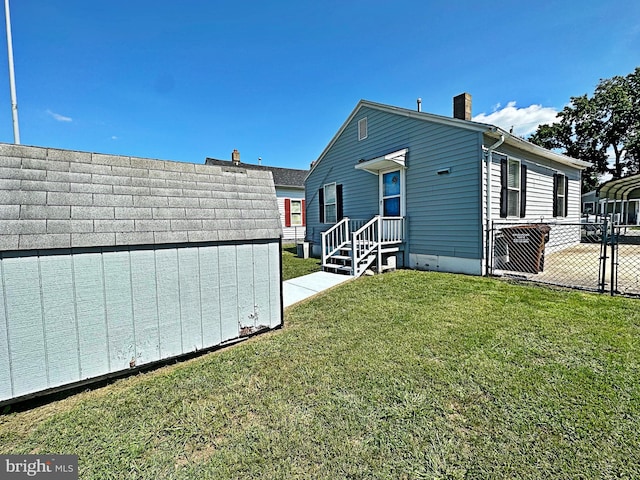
296, 213
362, 128
513, 188
330, 203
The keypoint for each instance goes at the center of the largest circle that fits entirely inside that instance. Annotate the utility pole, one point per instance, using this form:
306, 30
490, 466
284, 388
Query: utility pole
12, 80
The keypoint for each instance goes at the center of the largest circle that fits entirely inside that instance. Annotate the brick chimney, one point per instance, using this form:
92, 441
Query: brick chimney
235, 157
462, 106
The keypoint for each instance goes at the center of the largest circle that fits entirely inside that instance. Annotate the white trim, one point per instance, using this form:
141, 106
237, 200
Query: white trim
513, 189
386, 162
335, 202
381, 173
363, 126
292, 213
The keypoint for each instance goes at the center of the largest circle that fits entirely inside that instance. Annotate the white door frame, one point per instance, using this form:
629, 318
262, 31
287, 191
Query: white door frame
403, 211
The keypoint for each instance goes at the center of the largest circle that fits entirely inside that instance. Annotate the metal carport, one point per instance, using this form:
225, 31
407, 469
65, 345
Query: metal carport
620, 192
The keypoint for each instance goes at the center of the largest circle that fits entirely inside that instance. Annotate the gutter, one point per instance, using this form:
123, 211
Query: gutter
517, 142
489, 160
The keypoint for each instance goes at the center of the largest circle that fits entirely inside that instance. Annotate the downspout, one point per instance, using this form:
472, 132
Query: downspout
489, 160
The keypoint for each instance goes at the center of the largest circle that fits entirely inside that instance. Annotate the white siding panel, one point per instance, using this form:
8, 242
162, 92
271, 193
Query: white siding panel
246, 301
210, 295
26, 333
79, 314
59, 319
228, 292
91, 315
261, 277
170, 331
6, 389
145, 310
117, 280
190, 313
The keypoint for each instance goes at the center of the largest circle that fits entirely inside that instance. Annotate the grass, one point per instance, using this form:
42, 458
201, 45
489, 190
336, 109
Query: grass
403, 375
293, 266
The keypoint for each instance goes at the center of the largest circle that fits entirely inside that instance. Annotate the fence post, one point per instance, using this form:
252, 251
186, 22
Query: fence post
602, 269
614, 263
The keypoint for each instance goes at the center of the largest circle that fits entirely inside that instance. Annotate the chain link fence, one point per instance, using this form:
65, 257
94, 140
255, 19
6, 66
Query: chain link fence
591, 256
625, 248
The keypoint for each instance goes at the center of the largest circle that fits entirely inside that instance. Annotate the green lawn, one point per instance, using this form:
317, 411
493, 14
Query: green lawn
293, 266
403, 375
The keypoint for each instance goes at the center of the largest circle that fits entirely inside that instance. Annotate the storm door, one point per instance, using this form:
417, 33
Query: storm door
391, 193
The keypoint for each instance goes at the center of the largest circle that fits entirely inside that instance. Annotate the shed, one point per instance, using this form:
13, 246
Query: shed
112, 262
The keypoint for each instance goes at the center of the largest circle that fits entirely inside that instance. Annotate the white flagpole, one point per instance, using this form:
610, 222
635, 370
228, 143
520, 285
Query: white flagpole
12, 80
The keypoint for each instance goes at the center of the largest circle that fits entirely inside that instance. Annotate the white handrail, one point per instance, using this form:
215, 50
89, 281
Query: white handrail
335, 238
366, 241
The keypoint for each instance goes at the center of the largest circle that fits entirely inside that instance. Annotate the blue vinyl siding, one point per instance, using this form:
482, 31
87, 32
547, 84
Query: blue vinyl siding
443, 211
67, 316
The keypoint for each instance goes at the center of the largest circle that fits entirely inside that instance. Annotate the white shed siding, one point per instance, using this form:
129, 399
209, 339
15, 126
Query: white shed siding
136, 305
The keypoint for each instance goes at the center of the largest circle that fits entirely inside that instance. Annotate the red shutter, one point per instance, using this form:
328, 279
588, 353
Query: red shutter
304, 214
287, 212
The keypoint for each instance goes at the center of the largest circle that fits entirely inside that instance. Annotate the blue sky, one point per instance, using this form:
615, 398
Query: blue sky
185, 80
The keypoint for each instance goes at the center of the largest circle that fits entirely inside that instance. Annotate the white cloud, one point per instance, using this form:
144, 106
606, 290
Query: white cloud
58, 117
524, 120
114, 137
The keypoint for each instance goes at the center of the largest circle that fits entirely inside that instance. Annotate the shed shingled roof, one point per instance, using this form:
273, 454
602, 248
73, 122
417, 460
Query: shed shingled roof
51, 198
282, 177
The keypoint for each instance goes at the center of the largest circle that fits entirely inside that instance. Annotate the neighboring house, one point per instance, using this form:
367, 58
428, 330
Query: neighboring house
112, 262
590, 203
416, 185
289, 185
619, 198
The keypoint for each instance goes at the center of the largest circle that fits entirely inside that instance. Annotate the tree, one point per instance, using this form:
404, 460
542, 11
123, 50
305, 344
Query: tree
593, 128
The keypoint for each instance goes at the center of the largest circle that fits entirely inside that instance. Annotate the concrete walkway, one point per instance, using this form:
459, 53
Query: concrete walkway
297, 289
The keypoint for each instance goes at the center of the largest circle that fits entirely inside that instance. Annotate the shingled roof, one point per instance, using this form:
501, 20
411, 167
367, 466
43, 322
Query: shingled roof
51, 198
282, 177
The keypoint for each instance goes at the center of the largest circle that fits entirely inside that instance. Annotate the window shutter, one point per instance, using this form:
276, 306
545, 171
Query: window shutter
304, 214
504, 197
523, 191
339, 212
321, 204
555, 194
566, 197
287, 212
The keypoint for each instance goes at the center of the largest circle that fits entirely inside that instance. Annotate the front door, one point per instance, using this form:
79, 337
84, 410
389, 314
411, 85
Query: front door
391, 193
